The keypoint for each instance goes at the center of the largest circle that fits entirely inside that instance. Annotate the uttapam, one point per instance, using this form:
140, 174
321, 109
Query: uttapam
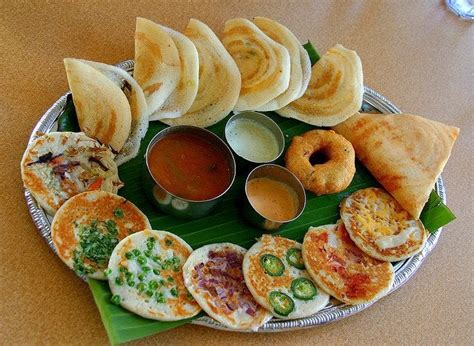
145, 276
86, 229
380, 227
59, 165
337, 265
275, 275
213, 275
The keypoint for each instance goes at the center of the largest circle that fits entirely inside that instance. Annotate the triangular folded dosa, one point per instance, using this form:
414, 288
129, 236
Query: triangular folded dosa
102, 108
405, 153
219, 79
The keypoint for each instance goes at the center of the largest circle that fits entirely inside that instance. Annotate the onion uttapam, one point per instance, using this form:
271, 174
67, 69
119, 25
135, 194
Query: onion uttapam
213, 275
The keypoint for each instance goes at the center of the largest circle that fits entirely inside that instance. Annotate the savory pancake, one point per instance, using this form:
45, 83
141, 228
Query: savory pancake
59, 165
213, 275
275, 275
182, 98
88, 226
157, 63
281, 34
337, 265
380, 227
219, 79
334, 93
405, 153
145, 276
101, 106
138, 108
264, 64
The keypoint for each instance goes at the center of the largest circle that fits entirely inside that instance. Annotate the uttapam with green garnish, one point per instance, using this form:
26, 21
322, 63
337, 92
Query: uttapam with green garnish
276, 276
213, 275
146, 277
86, 229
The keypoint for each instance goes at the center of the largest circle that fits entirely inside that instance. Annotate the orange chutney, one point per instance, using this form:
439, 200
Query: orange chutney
189, 166
273, 199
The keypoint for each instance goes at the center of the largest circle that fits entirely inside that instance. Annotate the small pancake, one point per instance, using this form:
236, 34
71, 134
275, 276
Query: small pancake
337, 265
59, 165
380, 227
102, 109
281, 34
146, 278
263, 284
182, 98
219, 79
138, 108
157, 64
88, 226
213, 275
334, 93
264, 64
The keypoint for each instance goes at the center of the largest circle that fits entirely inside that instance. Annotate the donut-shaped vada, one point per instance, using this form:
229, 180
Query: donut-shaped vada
322, 160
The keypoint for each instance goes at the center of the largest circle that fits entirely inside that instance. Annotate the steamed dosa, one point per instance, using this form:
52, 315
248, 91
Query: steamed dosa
405, 153
138, 108
157, 64
182, 98
219, 79
102, 108
281, 34
335, 91
264, 64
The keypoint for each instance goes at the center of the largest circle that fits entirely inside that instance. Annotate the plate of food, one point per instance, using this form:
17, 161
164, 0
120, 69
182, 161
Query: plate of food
240, 182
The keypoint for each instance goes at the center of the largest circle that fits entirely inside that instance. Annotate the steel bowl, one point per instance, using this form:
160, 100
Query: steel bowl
170, 203
281, 174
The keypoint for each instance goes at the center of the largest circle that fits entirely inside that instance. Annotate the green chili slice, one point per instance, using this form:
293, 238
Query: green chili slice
303, 289
272, 265
282, 304
294, 257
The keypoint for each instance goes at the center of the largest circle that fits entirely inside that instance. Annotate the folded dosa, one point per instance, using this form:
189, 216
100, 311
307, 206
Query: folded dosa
405, 153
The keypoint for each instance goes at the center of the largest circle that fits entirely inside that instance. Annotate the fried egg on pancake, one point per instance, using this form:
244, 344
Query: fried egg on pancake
275, 275
334, 93
219, 79
86, 229
213, 275
281, 34
146, 278
338, 266
59, 165
182, 98
157, 63
380, 227
264, 64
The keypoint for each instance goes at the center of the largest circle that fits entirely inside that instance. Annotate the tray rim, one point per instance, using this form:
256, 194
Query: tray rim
403, 272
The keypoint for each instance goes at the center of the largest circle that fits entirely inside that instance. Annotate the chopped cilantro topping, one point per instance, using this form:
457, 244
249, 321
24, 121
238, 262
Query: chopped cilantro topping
148, 253
96, 243
141, 276
149, 293
146, 269
118, 213
141, 287
136, 252
170, 279
168, 242
119, 281
129, 255
131, 283
141, 260
156, 272
153, 285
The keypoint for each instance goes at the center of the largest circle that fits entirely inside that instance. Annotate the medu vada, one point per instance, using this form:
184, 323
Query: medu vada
322, 160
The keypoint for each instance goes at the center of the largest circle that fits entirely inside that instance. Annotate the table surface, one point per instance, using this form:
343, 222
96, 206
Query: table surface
416, 53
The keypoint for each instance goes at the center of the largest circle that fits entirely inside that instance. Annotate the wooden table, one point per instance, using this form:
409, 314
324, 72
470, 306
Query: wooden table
416, 53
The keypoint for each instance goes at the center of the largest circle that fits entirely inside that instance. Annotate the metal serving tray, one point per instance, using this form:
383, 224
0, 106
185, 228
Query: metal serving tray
373, 102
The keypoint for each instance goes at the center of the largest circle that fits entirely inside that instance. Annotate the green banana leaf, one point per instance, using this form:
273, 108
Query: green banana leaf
226, 225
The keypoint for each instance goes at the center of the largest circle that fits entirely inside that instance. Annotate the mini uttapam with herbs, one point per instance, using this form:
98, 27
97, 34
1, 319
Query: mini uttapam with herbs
276, 276
146, 277
86, 229
213, 275
59, 165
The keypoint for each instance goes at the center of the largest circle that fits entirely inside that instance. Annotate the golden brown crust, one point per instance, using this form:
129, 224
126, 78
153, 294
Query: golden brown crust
329, 177
337, 265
